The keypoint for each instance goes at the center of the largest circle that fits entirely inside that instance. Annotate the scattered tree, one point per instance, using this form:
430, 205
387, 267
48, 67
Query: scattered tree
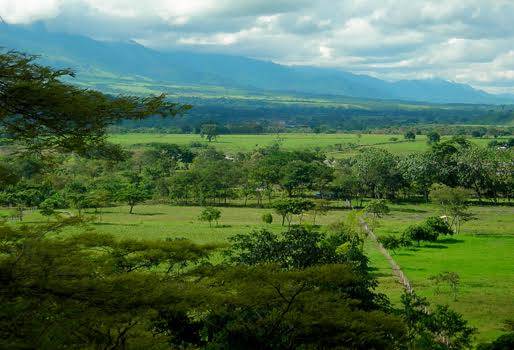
433, 137
210, 214
133, 194
209, 131
409, 135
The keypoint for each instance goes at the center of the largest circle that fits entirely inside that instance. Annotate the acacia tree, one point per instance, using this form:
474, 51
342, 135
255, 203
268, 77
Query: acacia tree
133, 194
209, 131
41, 112
292, 206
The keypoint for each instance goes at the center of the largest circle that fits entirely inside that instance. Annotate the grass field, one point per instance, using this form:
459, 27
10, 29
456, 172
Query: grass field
163, 221
326, 142
482, 254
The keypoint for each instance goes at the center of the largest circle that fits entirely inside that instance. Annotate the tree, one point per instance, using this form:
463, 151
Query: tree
50, 204
454, 202
267, 218
210, 214
292, 206
75, 194
209, 131
378, 172
420, 233
419, 171
503, 342
392, 243
377, 208
300, 247
90, 290
451, 278
439, 328
133, 194
40, 111
321, 207
433, 137
409, 135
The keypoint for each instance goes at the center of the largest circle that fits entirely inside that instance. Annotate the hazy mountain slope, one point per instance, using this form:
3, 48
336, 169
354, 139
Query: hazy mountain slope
93, 57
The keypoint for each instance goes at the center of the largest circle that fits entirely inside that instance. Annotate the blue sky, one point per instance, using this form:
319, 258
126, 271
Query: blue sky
469, 41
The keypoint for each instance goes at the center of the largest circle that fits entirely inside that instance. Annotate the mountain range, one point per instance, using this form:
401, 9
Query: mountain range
122, 60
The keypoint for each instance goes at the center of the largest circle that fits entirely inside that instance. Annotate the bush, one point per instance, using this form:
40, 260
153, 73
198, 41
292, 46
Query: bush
267, 218
439, 225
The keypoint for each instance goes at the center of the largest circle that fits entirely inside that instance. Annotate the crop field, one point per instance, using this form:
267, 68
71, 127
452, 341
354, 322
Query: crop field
335, 145
481, 254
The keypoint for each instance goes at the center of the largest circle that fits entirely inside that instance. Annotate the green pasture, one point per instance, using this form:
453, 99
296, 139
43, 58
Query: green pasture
482, 254
163, 221
336, 145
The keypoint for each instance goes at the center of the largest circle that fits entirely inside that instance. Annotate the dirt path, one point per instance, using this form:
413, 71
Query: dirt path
397, 271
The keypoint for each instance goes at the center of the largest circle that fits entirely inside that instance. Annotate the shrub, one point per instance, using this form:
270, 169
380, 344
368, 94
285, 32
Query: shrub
267, 218
439, 225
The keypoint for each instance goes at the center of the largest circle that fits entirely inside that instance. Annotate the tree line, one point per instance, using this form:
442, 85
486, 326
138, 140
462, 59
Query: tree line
188, 176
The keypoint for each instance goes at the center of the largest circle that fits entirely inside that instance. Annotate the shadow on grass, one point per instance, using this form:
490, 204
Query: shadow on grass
222, 226
450, 241
435, 246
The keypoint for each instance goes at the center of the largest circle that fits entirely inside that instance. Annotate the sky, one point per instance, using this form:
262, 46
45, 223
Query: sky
467, 41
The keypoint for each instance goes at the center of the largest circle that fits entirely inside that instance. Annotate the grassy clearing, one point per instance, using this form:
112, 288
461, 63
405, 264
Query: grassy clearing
243, 143
163, 221
482, 255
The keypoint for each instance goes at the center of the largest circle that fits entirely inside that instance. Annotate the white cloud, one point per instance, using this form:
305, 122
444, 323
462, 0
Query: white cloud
27, 11
468, 41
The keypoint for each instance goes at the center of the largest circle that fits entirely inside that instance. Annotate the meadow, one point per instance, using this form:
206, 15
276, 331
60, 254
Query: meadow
481, 254
328, 143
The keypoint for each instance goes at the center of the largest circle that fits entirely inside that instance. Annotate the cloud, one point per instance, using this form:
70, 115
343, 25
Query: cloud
468, 41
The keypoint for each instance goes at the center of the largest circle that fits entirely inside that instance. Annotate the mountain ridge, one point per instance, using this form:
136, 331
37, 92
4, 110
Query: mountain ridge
90, 56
